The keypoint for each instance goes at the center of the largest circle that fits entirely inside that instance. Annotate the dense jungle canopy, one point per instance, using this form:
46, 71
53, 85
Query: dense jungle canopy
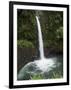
51, 26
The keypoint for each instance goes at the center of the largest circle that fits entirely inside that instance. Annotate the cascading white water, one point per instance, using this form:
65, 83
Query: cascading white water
43, 63
41, 50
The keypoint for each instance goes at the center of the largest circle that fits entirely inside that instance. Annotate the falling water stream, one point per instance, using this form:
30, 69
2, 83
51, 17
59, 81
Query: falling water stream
43, 63
40, 39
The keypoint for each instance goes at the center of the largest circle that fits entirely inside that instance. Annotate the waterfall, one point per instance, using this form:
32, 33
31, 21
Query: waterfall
42, 65
41, 50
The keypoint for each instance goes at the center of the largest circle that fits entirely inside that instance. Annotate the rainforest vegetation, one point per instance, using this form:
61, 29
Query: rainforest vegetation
51, 26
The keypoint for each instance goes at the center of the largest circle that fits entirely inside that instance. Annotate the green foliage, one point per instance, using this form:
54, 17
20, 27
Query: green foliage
51, 25
40, 76
25, 43
56, 75
37, 77
59, 32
